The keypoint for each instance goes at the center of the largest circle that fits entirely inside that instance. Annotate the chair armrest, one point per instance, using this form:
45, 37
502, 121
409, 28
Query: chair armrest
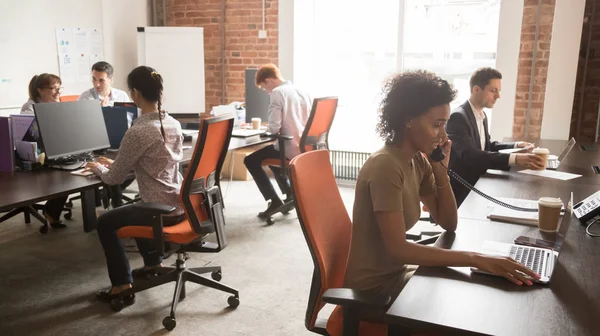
347, 297
155, 208
278, 136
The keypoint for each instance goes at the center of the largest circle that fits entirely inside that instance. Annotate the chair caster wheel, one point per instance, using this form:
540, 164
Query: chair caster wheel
169, 323
233, 302
44, 229
117, 305
69, 204
216, 275
270, 221
68, 215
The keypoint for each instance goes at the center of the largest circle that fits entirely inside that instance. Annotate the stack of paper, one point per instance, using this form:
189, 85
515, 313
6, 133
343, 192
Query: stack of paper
502, 214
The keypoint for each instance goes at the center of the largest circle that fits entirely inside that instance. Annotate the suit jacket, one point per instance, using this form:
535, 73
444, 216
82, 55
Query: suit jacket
467, 159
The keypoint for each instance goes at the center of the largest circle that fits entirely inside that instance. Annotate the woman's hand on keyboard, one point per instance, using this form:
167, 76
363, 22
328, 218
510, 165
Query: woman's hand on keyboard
505, 267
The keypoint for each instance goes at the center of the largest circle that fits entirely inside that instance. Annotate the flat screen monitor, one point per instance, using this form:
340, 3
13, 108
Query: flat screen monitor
257, 100
71, 128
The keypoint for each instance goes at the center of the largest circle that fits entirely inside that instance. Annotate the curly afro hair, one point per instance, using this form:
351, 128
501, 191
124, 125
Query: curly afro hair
409, 95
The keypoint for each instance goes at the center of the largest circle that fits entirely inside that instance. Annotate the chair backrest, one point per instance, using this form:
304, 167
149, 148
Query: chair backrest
205, 167
316, 132
325, 223
69, 98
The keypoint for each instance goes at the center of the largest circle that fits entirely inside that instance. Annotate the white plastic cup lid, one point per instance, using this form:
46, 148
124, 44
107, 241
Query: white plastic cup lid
552, 202
543, 151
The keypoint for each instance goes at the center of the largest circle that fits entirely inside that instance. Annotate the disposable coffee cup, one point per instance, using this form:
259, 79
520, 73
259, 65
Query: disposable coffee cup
543, 153
255, 123
549, 211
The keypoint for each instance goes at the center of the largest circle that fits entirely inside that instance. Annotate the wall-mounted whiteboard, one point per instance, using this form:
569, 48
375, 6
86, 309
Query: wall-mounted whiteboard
177, 53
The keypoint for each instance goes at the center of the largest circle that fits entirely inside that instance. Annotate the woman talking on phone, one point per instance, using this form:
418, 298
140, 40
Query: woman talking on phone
393, 182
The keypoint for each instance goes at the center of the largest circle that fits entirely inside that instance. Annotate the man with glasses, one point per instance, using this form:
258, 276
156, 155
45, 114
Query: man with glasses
102, 78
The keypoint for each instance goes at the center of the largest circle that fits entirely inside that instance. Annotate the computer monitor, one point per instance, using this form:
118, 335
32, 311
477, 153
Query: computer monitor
117, 121
124, 104
257, 100
71, 128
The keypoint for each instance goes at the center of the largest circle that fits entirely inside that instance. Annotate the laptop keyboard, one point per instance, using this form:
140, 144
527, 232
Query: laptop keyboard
553, 164
529, 257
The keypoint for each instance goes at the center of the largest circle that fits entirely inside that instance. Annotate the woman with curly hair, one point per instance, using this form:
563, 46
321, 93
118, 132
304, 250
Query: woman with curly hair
393, 182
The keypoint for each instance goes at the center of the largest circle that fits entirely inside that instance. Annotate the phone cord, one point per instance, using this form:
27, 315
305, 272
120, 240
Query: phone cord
462, 181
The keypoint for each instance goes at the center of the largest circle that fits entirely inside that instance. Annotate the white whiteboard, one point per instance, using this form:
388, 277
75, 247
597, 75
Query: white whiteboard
177, 53
28, 41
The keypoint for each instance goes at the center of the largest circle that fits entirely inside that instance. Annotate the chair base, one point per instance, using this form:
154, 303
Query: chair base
180, 275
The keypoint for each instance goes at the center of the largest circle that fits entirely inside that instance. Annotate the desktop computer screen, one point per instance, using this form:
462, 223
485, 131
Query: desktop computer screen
71, 128
257, 100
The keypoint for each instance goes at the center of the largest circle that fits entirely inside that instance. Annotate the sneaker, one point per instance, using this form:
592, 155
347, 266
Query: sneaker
273, 205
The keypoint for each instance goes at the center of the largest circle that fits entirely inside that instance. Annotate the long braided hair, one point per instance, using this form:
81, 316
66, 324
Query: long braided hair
149, 84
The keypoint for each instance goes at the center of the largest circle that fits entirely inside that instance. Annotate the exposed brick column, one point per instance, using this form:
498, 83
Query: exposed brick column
243, 48
525, 65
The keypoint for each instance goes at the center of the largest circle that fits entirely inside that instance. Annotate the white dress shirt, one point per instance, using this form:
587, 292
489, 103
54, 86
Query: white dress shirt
116, 95
289, 109
480, 119
27, 108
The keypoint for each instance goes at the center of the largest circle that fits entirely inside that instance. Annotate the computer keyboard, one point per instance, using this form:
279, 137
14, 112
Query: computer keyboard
529, 257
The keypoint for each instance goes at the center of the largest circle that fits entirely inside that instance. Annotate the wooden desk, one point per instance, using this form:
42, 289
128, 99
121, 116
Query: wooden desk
454, 300
25, 188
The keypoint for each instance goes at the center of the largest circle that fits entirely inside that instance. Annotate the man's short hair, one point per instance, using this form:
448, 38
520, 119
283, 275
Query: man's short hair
482, 77
267, 71
104, 67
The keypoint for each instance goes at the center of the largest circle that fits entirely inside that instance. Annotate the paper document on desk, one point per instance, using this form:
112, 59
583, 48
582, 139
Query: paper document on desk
550, 174
511, 150
502, 214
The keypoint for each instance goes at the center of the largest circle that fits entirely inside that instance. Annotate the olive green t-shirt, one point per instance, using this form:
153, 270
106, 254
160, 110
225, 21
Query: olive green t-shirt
385, 183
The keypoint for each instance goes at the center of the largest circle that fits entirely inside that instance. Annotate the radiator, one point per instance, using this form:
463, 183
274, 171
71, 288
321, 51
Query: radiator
347, 164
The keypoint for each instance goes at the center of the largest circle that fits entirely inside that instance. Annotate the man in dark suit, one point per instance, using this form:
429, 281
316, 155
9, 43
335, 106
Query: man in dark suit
472, 150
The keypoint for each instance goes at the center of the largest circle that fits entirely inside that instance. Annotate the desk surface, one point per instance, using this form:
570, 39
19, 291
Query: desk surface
455, 300
24, 188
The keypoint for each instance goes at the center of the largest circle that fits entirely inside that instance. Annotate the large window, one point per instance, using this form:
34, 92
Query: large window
353, 46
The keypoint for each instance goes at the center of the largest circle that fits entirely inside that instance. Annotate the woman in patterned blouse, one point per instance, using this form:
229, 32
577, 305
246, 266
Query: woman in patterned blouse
152, 149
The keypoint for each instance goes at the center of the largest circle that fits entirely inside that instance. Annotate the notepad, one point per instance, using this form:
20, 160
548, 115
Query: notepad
550, 174
82, 172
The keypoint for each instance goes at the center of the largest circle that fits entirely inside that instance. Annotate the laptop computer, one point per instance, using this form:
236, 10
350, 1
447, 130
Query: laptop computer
539, 260
553, 163
244, 132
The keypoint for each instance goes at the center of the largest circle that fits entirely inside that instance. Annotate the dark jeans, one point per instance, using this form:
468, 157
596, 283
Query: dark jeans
253, 163
54, 207
110, 222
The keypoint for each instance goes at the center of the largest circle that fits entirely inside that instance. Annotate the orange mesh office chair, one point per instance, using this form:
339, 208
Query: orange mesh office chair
203, 208
69, 98
315, 136
328, 229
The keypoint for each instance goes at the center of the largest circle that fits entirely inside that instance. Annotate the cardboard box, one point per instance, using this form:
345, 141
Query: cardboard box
238, 170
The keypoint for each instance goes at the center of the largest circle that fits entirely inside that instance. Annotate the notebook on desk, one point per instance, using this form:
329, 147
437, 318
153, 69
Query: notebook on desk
502, 214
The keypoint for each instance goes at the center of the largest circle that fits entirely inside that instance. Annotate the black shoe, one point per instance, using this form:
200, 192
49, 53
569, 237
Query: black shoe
58, 225
105, 296
273, 205
144, 273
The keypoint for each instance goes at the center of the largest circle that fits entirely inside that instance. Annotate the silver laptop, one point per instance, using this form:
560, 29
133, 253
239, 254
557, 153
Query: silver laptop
554, 163
539, 260
244, 132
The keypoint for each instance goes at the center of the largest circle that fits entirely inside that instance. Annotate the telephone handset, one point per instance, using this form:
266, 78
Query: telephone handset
438, 155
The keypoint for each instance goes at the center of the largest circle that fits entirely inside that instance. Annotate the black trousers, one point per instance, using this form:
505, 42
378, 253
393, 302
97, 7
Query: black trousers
54, 207
110, 222
253, 163
116, 192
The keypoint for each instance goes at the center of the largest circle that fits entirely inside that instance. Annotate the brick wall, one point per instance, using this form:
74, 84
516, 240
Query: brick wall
591, 91
243, 48
525, 65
